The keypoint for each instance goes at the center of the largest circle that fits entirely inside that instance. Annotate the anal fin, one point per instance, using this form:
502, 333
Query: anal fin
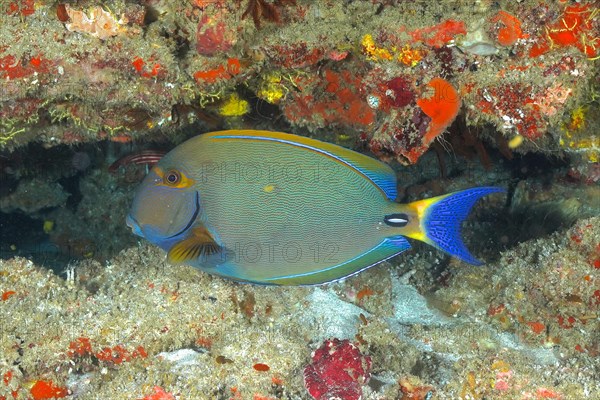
388, 248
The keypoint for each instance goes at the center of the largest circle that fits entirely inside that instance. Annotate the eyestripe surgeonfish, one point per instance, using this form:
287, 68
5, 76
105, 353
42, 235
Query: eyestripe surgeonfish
276, 208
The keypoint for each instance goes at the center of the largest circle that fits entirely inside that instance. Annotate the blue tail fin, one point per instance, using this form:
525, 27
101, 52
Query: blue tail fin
441, 218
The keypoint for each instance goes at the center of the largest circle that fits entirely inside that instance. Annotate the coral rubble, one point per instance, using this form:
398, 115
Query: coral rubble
138, 327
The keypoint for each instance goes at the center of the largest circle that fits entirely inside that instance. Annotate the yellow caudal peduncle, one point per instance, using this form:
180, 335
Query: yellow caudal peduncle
419, 209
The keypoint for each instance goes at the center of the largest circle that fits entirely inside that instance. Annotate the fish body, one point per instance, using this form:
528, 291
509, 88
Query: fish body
275, 208
147, 157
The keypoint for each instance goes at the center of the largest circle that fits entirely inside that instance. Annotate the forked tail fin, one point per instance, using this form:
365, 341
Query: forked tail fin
440, 219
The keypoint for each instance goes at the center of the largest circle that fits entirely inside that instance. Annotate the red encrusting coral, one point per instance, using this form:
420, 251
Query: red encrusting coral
118, 354
335, 100
442, 108
23, 8
409, 135
42, 390
139, 64
80, 347
12, 68
516, 105
439, 35
159, 394
338, 370
213, 36
261, 367
7, 294
511, 31
577, 27
228, 71
536, 327
298, 55
7, 377
398, 92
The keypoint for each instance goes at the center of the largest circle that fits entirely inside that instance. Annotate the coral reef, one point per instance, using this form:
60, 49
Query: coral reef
521, 68
97, 22
106, 324
34, 195
262, 9
138, 327
506, 93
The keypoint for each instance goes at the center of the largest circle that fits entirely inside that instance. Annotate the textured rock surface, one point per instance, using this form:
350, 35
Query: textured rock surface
521, 327
364, 69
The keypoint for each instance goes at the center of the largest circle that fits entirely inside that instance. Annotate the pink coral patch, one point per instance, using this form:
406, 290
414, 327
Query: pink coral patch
338, 370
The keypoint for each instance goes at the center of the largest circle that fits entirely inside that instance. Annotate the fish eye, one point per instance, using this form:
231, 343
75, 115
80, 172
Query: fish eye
172, 177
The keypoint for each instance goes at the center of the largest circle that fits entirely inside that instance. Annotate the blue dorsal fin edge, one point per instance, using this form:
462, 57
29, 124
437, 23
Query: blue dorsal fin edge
381, 174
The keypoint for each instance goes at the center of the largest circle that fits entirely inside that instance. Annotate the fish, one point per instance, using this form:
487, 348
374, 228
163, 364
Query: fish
275, 208
147, 157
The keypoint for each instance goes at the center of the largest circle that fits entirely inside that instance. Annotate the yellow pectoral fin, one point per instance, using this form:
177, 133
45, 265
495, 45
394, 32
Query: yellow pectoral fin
199, 244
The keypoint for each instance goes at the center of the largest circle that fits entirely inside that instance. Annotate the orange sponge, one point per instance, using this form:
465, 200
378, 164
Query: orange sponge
442, 108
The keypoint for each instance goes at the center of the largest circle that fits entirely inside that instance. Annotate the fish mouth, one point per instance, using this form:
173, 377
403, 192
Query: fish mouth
192, 219
133, 224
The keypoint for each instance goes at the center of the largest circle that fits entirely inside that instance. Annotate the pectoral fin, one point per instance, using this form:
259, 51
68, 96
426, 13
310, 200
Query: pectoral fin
198, 246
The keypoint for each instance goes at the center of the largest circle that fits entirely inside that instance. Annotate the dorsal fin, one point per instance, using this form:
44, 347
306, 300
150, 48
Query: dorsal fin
377, 172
